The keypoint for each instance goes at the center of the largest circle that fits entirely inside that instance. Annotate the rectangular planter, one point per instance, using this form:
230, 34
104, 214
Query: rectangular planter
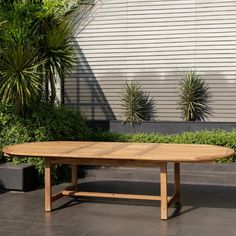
21, 177
169, 127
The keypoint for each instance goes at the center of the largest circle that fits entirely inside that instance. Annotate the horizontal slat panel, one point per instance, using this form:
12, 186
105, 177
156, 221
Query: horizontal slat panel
166, 108
158, 33
157, 60
165, 42
155, 43
161, 68
158, 77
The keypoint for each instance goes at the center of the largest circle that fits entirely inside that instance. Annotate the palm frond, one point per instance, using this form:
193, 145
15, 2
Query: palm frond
57, 49
20, 80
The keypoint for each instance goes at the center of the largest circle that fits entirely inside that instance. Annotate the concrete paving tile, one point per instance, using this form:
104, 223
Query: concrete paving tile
53, 229
210, 217
7, 233
14, 226
206, 211
130, 229
196, 230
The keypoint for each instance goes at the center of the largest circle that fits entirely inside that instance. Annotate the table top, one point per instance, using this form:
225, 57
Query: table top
120, 151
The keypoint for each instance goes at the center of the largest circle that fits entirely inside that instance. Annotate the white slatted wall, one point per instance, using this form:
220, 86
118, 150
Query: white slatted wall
154, 42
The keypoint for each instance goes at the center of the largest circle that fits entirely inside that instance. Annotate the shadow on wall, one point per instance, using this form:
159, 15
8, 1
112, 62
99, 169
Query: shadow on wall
82, 91
86, 13
164, 88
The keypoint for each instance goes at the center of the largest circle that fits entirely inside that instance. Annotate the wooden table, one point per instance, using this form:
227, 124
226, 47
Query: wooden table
117, 154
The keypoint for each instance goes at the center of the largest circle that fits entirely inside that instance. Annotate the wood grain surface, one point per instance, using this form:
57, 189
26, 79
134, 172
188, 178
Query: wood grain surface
120, 151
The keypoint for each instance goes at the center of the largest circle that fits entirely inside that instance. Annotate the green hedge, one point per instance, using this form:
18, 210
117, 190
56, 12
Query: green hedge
218, 137
45, 123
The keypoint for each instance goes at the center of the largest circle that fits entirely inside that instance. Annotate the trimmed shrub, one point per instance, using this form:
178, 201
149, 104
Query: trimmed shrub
44, 123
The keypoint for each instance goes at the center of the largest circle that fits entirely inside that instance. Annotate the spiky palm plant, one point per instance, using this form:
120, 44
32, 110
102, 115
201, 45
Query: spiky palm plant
30, 25
194, 98
56, 48
137, 105
20, 81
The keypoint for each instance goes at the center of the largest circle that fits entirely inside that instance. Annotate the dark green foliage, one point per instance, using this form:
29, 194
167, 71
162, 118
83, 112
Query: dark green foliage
1, 32
56, 123
136, 104
20, 18
35, 48
194, 98
62, 7
44, 123
218, 137
45, 35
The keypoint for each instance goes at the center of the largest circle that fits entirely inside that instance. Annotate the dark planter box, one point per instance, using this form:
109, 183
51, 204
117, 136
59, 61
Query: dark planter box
21, 177
169, 127
98, 125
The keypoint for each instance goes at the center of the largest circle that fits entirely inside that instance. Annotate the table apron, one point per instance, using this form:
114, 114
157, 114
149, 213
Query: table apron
105, 162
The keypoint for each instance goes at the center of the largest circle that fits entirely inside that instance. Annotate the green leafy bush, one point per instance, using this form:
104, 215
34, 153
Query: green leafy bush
35, 50
46, 122
218, 137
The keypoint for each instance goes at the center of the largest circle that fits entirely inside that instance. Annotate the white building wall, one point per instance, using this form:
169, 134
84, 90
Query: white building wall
155, 42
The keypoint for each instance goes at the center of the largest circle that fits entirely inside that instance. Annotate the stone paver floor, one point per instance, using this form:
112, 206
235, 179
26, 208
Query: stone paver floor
206, 211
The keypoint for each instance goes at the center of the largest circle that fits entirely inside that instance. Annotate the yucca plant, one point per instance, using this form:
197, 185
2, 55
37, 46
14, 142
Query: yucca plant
20, 80
32, 24
136, 104
57, 50
194, 98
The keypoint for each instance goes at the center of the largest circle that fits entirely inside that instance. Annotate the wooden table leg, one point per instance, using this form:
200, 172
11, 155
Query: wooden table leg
163, 185
177, 182
48, 185
74, 177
